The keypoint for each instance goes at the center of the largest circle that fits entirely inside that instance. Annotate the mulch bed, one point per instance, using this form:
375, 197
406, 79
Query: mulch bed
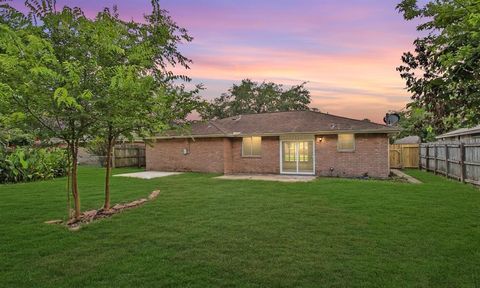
93, 215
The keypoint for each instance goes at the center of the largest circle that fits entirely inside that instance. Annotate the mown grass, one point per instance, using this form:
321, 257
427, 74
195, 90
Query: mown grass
205, 232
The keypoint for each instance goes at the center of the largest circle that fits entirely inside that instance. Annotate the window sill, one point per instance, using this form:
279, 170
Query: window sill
254, 157
346, 151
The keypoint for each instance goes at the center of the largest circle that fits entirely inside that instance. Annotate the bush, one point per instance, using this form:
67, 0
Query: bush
30, 164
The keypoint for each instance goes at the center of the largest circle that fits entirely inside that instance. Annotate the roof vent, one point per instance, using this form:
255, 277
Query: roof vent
236, 118
333, 126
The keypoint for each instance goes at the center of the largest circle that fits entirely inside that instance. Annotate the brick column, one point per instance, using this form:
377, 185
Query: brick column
227, 156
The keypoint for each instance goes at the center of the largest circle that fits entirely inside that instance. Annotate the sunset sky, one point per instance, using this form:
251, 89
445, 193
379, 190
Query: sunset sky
346, 50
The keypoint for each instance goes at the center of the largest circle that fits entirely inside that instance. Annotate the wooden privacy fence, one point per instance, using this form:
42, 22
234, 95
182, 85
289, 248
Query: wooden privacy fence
455, 160
128, 156
404, 156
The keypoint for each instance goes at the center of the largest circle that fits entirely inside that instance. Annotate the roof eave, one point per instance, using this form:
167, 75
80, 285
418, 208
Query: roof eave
321, 132
457, 134
473, 130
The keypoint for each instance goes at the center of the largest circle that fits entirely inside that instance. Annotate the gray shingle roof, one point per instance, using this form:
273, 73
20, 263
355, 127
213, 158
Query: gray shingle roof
278, 123
408, 140
460, 132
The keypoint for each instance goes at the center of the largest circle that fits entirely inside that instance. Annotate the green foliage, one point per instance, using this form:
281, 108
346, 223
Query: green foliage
13, 129
252, 97
443, 72
77, 78
15, 137
414, 122
30, 164
10, 16
97, 146
137, 96
67, 73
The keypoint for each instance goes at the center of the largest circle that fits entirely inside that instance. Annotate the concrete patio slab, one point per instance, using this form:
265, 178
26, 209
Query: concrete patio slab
269, 177
148, 174
407, 177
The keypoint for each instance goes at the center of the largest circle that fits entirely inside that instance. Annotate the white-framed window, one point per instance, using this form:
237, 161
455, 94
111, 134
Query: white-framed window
252, 146
290, 150
346, 143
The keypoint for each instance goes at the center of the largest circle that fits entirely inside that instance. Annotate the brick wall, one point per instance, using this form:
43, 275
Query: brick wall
227, 156
267, 163
370, 156
205, 155
224, 155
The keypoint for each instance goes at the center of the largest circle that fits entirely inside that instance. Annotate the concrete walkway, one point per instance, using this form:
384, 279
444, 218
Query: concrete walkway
268, 177
407, 177
148, 174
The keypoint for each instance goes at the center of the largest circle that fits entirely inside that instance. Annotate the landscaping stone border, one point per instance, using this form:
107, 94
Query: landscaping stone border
93, 215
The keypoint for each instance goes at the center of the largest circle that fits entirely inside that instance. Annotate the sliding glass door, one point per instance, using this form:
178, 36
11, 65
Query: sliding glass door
297, 157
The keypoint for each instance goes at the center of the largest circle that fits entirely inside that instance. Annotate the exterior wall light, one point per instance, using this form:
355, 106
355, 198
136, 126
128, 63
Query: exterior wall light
319, 139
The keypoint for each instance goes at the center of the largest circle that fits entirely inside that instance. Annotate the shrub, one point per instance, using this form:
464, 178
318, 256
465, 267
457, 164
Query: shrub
31, 164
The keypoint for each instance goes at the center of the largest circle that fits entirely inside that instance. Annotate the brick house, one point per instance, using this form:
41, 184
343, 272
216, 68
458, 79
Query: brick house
296, 142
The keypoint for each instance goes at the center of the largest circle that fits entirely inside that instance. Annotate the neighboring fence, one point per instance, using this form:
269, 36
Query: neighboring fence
128, 156
404, 156
456, 160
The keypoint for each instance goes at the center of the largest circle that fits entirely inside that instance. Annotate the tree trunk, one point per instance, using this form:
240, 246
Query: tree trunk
106, 205
69, 173
76, 196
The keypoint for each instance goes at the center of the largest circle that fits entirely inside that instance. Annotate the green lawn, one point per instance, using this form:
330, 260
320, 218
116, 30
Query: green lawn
204, 232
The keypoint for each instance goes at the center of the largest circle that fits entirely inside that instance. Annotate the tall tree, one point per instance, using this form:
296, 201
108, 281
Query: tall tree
253, 97
443, 72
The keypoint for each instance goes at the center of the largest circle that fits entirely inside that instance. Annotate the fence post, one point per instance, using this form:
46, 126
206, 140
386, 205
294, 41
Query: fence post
435, 163
427, 157
446, 160
462, 162
419, 156
138, 157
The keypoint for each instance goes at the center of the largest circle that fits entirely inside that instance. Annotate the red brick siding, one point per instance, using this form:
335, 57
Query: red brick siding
206, 155
227, 156
267, 163
370, 156
224, 155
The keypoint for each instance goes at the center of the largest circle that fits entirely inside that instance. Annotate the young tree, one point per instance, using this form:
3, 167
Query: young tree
129, 106
48, 73
253, 97
443, 72
137, 93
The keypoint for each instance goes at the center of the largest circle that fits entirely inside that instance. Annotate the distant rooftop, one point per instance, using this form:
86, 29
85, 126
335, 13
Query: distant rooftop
408, 140
460, 132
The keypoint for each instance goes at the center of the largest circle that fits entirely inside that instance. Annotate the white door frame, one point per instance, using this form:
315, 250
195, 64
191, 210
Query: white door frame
296, 156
